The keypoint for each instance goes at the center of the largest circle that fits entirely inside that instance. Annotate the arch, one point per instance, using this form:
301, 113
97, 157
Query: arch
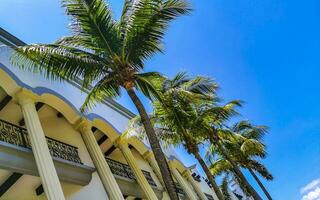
8, 83
104, 126
12, 84
70, 114
138, 145
178, 164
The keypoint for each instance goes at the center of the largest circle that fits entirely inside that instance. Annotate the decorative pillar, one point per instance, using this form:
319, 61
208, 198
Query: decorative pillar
191, 195
48, 174
141, 179
195, 186
148, 155
109, 182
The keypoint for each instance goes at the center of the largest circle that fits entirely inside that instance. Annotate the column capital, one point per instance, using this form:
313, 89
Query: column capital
83, 124
24, 96
147, 155
121, 142
186, 173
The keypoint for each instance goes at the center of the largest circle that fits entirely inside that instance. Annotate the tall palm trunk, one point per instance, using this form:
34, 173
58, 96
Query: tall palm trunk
155, 146
260, 184
209, 175
236, 169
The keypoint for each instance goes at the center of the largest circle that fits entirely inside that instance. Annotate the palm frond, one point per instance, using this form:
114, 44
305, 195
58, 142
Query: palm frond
252, 147
92, 20
127, 10
220, 166
225, 188
80, 42
261, 169
60, 62
147, 84
107, 87
146, 27
249, 130
201, 85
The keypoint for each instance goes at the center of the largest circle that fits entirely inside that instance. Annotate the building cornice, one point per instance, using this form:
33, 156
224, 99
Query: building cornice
12, 41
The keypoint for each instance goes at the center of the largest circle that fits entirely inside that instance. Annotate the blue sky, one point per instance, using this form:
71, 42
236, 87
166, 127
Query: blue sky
266, 53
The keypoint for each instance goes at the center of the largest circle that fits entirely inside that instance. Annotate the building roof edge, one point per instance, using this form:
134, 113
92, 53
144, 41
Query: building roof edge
11, 40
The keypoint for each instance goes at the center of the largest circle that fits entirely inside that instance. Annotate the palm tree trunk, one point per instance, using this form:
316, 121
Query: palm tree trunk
237, 171
209, 175
155, 146
260, 184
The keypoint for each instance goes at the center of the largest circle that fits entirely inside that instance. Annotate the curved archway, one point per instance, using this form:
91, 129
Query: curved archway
138, 145
105, 127
8, 83
61, 106
11, 85
178, 164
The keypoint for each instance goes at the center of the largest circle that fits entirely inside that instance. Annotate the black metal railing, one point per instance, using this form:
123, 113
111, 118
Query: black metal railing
179, 189
209, 197
125, 171
17, 135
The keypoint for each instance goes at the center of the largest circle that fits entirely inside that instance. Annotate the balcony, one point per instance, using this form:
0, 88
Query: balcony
16, 155
125, 171
17, 135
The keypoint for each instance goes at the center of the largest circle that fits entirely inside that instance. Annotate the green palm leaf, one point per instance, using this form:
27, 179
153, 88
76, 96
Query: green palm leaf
60, 62
92, 20
146, 27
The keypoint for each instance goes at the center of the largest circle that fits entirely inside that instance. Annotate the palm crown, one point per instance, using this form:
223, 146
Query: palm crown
245, 147
102, 51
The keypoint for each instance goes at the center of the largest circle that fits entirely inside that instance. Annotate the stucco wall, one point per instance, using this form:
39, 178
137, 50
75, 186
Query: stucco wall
60, 129
92, 191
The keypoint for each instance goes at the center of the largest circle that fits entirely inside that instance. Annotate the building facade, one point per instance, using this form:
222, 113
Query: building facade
49, 150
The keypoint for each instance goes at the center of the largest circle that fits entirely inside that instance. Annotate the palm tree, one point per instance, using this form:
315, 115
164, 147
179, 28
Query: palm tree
109, 55
209, 123
251, 148
244, 148
173, 115
225, 189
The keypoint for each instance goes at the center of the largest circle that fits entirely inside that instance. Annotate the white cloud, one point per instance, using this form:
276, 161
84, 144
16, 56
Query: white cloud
312, 195
310, 186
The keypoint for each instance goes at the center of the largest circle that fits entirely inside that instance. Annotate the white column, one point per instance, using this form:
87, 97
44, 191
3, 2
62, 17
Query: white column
191, 195
109, 182
195, 186
148, 155
141, 179
44, 162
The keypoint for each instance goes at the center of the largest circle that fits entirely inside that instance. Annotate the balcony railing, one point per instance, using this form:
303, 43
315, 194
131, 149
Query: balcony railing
17, 135
125, 171
209, 197
179, 189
